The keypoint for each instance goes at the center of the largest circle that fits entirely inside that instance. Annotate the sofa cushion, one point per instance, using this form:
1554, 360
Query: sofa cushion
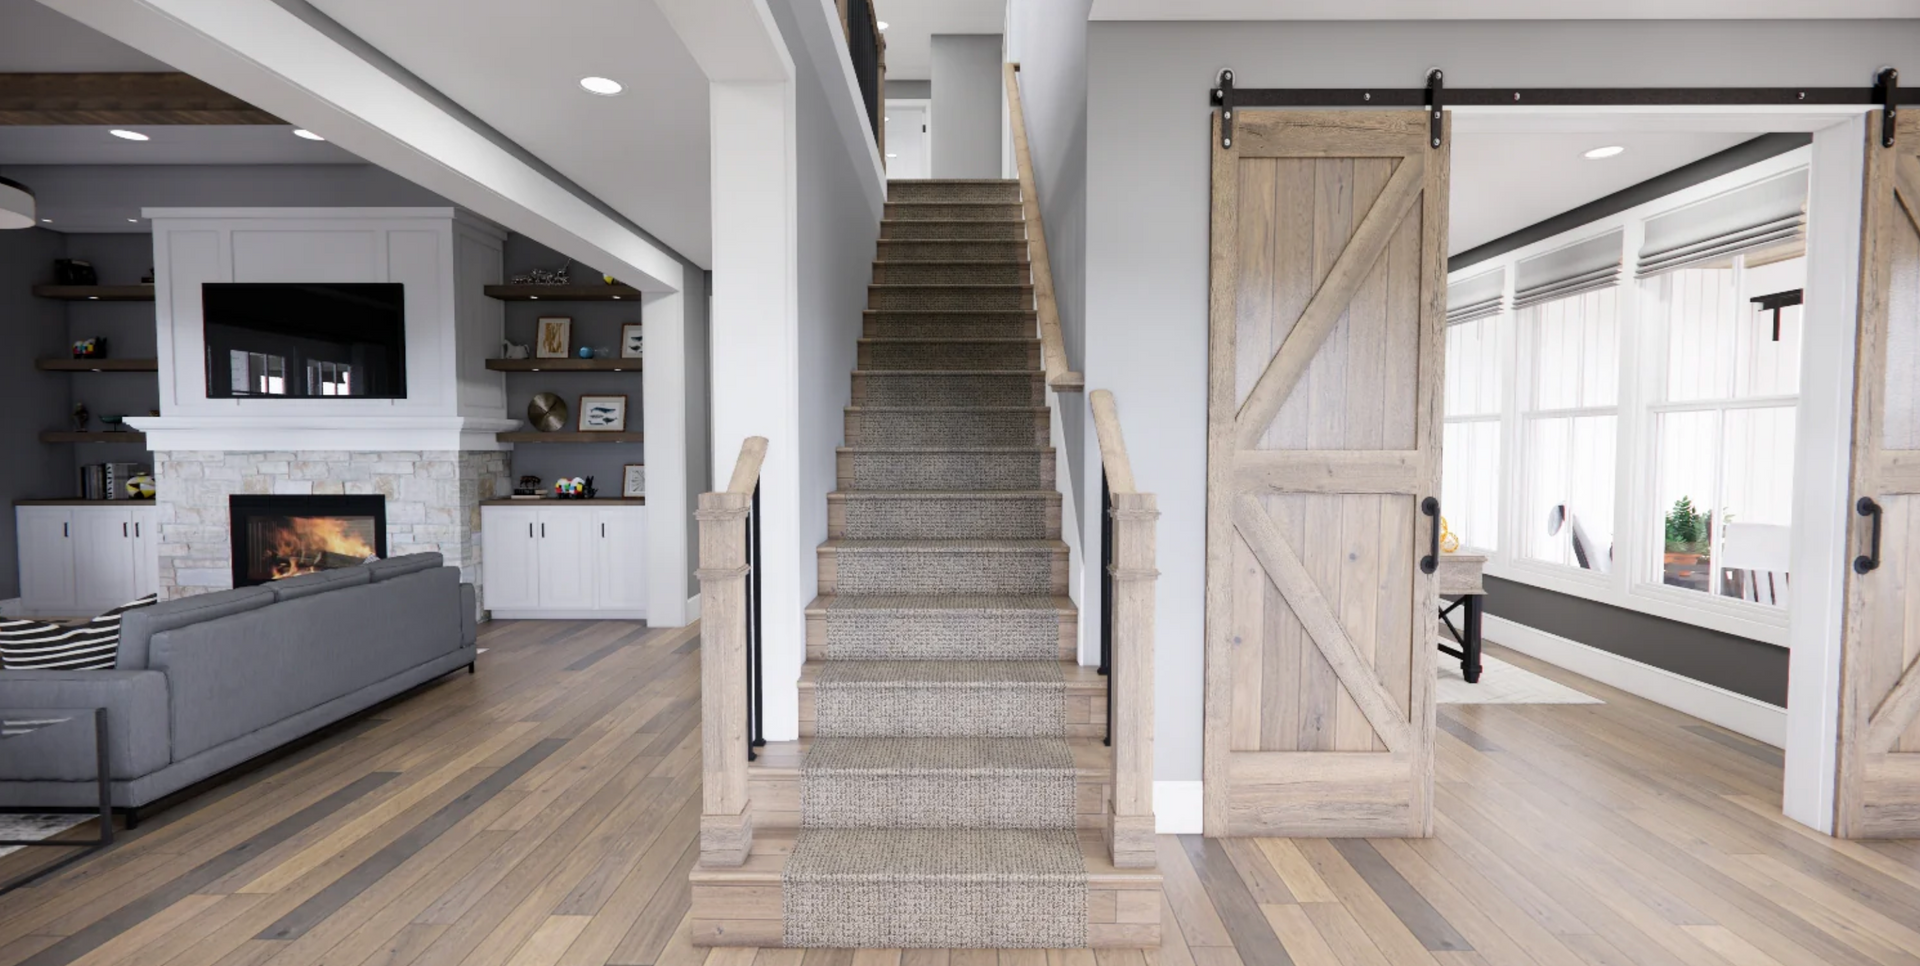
138, 627
319, 582
136, 703
39, 645
401, 566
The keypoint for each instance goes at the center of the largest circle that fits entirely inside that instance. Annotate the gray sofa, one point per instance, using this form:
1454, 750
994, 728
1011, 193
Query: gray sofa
205, 683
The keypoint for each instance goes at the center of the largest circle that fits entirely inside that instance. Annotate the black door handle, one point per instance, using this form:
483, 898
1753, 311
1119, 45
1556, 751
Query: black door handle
1870, 561
123, 529
529, 529
1431, 562
543, 529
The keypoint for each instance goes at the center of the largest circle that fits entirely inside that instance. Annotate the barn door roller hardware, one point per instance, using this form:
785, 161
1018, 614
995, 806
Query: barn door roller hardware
1885, 94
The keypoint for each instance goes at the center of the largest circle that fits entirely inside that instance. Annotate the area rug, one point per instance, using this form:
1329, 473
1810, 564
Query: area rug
1502, 683
35, 827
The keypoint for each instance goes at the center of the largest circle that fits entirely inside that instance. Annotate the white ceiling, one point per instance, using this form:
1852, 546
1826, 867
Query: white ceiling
168, 144
911, 25
39, 39
1502, 9
517, 68
1504, 181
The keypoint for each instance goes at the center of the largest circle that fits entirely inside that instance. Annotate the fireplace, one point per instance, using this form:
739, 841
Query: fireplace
285, 535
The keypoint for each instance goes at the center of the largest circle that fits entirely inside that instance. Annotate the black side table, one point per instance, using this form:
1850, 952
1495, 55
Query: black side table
15, 725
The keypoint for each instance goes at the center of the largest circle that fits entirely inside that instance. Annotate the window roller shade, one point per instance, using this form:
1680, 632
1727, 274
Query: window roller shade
1477, 297
1760, 215
1581, 267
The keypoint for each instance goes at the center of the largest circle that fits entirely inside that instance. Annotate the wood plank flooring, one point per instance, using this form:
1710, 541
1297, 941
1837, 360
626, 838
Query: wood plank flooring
544, 812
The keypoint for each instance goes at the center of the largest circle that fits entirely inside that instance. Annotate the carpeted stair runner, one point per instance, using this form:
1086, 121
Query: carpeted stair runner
938, 798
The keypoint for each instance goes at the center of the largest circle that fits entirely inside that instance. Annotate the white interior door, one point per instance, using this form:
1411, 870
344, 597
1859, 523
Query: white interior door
909, 134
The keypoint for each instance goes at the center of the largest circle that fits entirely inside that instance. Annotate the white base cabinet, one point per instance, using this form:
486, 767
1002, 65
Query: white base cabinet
80, 560
585, 561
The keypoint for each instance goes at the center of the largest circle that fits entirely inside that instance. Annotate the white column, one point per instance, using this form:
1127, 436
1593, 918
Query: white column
754, 335
663, 411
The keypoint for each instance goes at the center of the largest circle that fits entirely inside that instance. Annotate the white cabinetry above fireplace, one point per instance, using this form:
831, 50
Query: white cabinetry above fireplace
80, 559
553, 560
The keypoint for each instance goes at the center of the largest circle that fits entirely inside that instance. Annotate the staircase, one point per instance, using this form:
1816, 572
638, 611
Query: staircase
950, 788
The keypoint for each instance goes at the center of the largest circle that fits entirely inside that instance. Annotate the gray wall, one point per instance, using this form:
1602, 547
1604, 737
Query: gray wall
129, 330
909, 89
1147, 209
30, 400
102, 197
967, 106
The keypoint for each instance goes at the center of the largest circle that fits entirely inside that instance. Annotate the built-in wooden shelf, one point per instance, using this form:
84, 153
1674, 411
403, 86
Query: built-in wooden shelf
564, 365
96, 293
564, 293
75, 501
63, 436
552, 501
523, 436
98, 365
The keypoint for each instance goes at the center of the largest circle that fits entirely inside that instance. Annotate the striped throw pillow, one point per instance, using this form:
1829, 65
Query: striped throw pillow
40, 646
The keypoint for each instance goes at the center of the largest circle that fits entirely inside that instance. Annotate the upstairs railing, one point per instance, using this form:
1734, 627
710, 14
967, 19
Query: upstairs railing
1053, 349
730, 696
867, 47
1127, 576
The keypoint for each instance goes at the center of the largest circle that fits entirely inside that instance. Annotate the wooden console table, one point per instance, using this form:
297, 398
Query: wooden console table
1460, 578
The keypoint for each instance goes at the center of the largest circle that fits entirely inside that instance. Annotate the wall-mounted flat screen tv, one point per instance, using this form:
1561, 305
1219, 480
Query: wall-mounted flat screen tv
297, 340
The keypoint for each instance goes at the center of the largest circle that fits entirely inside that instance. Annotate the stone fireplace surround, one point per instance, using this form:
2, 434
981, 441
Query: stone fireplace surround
433, 503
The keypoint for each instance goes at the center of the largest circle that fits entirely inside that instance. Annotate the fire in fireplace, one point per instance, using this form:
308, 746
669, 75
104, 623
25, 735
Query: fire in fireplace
286, 535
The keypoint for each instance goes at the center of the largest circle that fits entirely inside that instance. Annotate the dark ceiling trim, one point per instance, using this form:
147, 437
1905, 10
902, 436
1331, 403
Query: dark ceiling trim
121, 98
1686, 176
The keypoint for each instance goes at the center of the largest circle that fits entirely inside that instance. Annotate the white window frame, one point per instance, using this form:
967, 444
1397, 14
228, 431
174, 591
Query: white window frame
1505, 323
1625, 586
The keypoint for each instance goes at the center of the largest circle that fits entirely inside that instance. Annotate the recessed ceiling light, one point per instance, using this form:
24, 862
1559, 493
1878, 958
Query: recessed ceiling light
127, 135
301, 132
892, 155
882, 24
47, 220
1605, 152
604, 86
134, 220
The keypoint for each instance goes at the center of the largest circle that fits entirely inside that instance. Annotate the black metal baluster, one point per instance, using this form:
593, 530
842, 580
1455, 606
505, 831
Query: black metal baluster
755, 618
1106, 596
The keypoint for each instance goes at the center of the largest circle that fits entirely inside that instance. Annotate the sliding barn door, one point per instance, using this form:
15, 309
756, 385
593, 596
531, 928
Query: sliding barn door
1329, 262
1879, 783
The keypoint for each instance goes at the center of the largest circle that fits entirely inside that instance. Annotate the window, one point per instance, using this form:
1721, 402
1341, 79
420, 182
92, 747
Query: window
1569, 425
257, 373
1723, 427
1470, 449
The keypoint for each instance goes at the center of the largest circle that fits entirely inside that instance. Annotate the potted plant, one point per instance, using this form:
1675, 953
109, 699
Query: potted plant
1689, 544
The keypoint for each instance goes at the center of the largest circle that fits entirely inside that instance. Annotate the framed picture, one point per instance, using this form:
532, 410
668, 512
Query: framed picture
630, 341
603, 414
633, 480
553, 337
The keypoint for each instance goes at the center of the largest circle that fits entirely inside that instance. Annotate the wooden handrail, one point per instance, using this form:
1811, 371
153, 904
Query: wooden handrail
726, 821
1053, 348
1129, 581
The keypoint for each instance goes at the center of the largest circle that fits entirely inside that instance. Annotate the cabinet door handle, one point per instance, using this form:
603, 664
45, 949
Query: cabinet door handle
603, 531
543, 529
63, 530
136, 528
123, 529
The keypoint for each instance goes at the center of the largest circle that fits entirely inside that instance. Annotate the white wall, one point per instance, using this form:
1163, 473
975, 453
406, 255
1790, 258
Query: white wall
966, 105
1147, 210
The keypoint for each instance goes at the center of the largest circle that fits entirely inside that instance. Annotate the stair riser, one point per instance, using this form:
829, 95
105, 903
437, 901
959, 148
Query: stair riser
911, 711
956, 273
1001, 191
954, 230
937, 326
1086, 717
946, 571
1013, 298
971, 390
951, 251
947, 211
776, 805
876, 429
992, 800
942, 636
873, 518
946, 471
944, 356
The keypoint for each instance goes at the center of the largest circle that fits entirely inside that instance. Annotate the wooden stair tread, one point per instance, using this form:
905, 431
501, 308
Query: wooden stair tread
772, 846
783, 759
1063, 605
1079, 678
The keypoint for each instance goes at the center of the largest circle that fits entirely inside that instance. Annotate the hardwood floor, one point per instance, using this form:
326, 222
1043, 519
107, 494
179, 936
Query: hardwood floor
544, 812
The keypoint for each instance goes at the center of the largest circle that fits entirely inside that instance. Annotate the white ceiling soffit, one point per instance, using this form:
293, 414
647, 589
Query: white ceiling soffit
518, 68
911, 25
261, 52
1503, 9
38, 40
1504, 181
166, 144
732, 40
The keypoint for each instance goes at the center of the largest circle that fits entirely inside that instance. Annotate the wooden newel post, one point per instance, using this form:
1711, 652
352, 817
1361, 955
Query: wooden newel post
1131, 830
726, 823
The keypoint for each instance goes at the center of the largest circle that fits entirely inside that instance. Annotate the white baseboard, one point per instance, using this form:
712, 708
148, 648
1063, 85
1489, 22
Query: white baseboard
569, 615
1177, 808
693, 608
1735, 712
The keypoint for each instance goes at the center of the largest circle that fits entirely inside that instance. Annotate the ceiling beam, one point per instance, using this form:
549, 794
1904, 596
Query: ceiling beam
121, 98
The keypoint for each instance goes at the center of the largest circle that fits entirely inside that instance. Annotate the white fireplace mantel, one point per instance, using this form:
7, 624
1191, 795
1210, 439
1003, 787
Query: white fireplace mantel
300, 432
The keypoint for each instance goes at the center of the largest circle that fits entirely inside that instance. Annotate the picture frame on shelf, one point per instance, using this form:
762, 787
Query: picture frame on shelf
553, 337
603, 413
632, 340
633, 480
